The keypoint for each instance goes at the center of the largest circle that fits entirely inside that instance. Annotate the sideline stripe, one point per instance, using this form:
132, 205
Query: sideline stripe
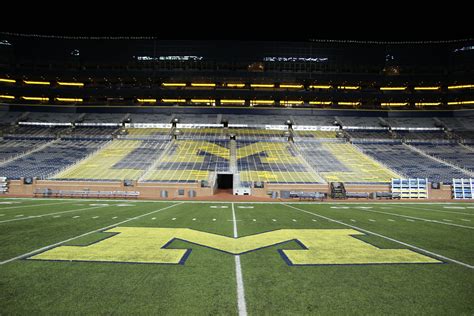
242, 306
36, 205
85, 234
418, 218
385, 237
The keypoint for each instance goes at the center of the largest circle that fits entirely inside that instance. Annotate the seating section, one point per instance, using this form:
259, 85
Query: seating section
316, 134
49, 160
191, 161
369, 134
48, 117
276, 162
342, 162
137, 118
359, 121
313, 120
119, 160
416, 135
411, 164
10, 148
455, 154
411, 122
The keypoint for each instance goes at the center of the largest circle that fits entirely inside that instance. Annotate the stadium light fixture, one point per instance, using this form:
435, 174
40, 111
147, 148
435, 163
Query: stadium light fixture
230, 101
464, 86
173, 100
69, 99
262, 85
348, 87
235, 85
37, 82
173, 84
4, 96
291, 86
393, 88
320, 102
383, 104
7, 80
314, 86
203, 85
71, 84
460, 102
349, 103
427, 88
427, 103
35, 98
147, 100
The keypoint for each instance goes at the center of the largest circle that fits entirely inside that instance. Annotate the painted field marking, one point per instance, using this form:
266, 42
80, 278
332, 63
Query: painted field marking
173, 219
353, 220
99, 204
114, 217
2, 214
294, 220
314, 220
386, 237
82, 235
122, 205
431, 210
95, 217
153, 218
56, 216
241, 304
466, 220
419, 218
245, 206
10, 202
390, 220
194, 219
409, 220
372, 220
218, 206
43, 215
21, 215
34, 205
447, 220
213, 219
254, 220
274, 220
77, 216
456, 207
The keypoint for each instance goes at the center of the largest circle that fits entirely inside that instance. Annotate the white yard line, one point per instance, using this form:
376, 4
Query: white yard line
427, 209
43, 215
36, 205
385, 237
418, 218
85, 234
242, 306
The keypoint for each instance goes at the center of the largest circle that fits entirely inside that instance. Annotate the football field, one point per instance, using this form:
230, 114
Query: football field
73, 256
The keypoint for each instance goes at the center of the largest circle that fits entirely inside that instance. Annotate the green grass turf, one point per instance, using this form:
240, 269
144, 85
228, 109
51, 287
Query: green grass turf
206, 283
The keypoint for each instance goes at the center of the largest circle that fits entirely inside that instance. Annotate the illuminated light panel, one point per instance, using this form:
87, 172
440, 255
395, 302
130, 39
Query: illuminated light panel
320, 102
173, 84
69, 99
427, 103
37, 82
71, 84
173, 100
203, 100
292, 86
205, 85
7, 80
296, 102
427, 88
348, 103
261, 85
393, 88
394, 104
320, 87
348, 87
465, 86
10, 97
35, 98
235, 85
460, 102
262, 101
232, 101
147, 100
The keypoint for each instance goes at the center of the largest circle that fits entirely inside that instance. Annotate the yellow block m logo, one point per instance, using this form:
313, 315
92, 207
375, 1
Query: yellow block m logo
149, 245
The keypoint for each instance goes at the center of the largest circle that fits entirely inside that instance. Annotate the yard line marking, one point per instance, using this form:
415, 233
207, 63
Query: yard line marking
427, 209
372, 220
294, 220
95, 217
218, 206
31, 253
173, 219
153, 218
114, 217
353, 220
466, 220
410, 220
2, 214
385, 237
390, 220
77, 216
37, 205
245, 206
56, 216
43, 215
419, 218
314, 220
238, 275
